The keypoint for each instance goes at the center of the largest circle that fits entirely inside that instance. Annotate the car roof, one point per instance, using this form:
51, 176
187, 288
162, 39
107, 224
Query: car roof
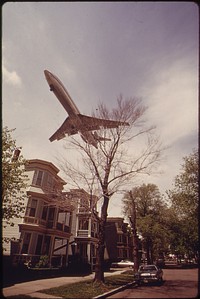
148, 266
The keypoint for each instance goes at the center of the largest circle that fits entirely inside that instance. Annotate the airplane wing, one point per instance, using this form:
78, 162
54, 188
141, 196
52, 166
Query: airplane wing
93, 123
66, 128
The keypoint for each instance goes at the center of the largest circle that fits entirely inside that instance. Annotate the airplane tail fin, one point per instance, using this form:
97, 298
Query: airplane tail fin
99, 138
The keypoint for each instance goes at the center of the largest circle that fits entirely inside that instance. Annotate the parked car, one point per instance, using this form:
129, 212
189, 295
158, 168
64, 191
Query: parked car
122, 264
149, 273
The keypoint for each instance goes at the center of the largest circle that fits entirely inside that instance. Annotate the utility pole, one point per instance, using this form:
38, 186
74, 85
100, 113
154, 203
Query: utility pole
134, 231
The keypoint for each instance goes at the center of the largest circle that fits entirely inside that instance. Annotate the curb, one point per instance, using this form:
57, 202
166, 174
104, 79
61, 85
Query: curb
114, 291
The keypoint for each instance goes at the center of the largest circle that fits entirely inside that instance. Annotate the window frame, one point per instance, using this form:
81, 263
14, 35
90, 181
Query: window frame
38, 177
31, 210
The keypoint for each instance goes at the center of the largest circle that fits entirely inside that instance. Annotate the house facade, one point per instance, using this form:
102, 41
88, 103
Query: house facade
84, 228
60, 228
46, 227
118, 239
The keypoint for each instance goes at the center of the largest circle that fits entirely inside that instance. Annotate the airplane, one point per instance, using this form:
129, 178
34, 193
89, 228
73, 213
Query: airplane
76, 122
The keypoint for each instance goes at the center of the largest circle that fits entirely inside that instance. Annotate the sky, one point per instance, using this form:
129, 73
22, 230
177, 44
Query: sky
100, 50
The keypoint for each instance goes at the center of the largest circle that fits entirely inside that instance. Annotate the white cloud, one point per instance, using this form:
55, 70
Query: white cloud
174, 102
11, 78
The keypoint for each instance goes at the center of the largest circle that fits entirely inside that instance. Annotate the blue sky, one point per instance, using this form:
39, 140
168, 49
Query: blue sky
100, 50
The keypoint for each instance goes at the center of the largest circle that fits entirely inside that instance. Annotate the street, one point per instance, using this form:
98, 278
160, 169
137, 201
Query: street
178, 283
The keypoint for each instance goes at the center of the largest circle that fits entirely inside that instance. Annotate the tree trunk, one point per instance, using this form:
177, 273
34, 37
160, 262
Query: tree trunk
99, 273
135, 237
99, 270
148, 249
135, 253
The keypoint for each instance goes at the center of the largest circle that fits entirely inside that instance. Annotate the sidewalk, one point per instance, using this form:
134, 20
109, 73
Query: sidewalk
32, 288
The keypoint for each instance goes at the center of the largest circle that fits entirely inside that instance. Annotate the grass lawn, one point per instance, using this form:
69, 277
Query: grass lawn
88, 289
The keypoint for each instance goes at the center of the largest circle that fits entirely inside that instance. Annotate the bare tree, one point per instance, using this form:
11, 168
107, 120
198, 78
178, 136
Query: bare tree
133, 150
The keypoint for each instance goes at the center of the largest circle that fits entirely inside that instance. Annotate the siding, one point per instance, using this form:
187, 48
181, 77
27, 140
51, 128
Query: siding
11, 232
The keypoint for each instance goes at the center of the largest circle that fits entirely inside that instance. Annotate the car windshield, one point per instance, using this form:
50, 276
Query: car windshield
148, 268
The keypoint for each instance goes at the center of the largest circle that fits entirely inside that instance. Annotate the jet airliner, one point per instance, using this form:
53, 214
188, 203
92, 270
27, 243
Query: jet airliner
76, 122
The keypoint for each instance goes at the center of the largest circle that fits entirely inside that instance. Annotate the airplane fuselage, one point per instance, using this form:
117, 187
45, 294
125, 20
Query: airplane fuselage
61, 93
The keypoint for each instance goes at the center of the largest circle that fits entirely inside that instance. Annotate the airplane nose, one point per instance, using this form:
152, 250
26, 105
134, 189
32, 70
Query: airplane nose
47, 75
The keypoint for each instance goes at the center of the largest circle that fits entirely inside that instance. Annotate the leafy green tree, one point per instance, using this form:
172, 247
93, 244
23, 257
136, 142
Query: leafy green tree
13, 180
184, 196
184, 201
150, 222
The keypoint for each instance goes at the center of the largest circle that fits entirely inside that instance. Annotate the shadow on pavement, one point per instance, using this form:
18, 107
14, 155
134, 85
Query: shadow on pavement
12, 275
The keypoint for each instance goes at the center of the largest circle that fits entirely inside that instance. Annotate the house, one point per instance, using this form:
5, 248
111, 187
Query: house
118, 239
46, 227
60, 228
85, 231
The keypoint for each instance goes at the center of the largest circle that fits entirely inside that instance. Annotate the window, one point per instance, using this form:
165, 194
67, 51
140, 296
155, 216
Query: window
31, 208
83, 205
44, 212
51, 213
120, 238
68, 218
44, 179
38, 177
49, 180
83, 224
51, 217
61, 217
39, 245
26, 242
46, 245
